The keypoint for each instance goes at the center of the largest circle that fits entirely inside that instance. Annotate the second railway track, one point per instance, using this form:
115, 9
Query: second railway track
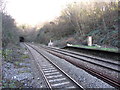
113, 65
108, 71
54, 76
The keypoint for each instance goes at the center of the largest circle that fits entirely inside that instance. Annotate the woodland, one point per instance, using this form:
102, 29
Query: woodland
77, 21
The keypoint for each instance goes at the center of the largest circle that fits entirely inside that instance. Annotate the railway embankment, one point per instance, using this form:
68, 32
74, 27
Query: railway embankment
18, 69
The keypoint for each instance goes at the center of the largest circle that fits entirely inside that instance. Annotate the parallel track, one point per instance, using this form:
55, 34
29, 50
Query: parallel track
114, 82
54, 76
112, 65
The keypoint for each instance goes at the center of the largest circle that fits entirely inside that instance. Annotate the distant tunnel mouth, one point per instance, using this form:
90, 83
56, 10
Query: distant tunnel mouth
21, 39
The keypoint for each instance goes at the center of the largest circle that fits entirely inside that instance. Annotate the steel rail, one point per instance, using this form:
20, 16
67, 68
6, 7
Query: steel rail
105, 78
96, 58
57, 68
86, 60
49, 86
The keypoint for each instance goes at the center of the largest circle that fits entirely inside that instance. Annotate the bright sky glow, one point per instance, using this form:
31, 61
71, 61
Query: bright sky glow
34, 12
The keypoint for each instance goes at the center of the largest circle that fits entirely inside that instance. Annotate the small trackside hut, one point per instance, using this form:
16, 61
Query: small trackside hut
21, 39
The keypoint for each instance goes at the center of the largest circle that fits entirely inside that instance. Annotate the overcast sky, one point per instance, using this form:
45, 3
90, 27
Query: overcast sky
35, 11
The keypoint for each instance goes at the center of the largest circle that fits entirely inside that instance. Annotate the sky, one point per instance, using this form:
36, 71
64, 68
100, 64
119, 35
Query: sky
34, 12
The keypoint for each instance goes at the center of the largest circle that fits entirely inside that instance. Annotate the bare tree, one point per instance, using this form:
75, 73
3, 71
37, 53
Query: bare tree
83, 19
2, 5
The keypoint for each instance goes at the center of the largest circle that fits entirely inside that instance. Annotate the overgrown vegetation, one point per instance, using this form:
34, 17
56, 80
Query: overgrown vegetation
77, 21
9, 30
11, 84
81, 19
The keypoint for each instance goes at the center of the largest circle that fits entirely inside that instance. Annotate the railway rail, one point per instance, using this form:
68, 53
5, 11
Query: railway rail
107, 65
53, 75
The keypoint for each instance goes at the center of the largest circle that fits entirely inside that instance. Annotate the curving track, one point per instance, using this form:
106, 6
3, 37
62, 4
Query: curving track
53, 75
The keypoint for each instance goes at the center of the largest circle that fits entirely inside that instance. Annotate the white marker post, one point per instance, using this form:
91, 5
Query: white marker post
50, 43
89, 40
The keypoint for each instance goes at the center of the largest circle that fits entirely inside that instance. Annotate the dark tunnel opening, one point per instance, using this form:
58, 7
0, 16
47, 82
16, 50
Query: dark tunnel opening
21, 39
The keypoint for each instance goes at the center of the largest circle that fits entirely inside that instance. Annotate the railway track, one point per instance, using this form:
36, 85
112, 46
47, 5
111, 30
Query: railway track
107, 65
53, 75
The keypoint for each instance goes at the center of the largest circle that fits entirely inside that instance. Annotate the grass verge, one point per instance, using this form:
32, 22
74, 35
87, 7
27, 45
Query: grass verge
97, 48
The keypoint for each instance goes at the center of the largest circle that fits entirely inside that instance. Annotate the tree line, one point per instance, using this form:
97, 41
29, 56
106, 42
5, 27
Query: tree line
77, 21
82, 19
9, 30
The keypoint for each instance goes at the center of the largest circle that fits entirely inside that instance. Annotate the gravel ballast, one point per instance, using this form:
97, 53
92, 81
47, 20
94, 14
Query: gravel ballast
19, 69
81, 76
